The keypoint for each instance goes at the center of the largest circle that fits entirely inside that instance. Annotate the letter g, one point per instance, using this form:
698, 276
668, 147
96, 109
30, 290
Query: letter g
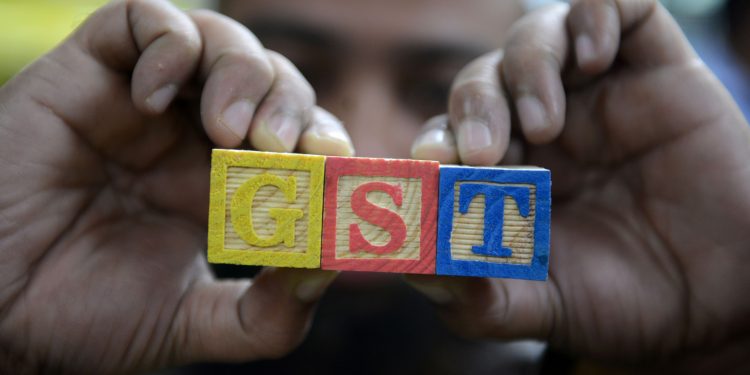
242, 215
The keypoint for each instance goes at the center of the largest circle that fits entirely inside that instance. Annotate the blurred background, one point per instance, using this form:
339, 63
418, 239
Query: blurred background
373, 324
717, 28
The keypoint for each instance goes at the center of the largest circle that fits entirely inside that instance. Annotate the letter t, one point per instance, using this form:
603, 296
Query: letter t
494, 210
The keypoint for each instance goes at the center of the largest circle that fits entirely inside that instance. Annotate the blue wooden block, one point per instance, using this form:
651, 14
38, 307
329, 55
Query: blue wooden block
494, 222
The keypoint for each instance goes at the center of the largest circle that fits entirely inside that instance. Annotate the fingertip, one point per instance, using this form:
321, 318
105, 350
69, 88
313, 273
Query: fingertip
533, 116
169, 49
585, 51
537, 122
304, 285
285, 110
233, 124
330, 144
476, 145
278, 132
437, 145
534, 59
595, 27
478, 111
159, 100
436, 142
313, 284
594, 55
325, 135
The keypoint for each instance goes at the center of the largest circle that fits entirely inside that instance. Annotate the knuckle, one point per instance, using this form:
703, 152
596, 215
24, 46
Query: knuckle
484, 67
188, 39
202, 13
522, 56
254, 62
208, 17
305, 93
475, 89
294, 92
478, 98
526, 65
291, 79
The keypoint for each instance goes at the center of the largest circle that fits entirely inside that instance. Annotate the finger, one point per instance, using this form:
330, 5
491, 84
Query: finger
284, 112
650, 36
171, 47
534, 56
595, 28
127, 61
325, 135
169, 41
238, 74
478, 112
651, 43
243, 320
436, 142
491, 308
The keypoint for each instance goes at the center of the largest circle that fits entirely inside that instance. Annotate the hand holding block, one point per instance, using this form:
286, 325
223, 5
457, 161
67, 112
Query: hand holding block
265, 209
494, 222
380, 215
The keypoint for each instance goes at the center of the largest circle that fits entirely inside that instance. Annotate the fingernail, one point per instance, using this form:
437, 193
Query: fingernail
236, 118
431, 138
585, 51
160, 99
435, 144
312, 287
326, 143
532, 114
278, 133
433, 291
473, 136
326, 136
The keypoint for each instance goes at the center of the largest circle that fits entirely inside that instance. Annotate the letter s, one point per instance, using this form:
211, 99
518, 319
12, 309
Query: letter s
376, 215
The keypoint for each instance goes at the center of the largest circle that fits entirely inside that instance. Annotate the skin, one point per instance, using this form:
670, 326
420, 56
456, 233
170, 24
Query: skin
105, 186
651, 185
648, 156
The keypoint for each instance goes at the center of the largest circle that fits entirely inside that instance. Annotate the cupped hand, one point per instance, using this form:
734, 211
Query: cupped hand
650, 159
104, 147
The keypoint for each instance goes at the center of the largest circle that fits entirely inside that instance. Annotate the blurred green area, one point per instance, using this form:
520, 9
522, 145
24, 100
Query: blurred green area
29, 28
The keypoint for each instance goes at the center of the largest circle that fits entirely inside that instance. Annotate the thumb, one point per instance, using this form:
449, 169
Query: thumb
246, 320
492, 308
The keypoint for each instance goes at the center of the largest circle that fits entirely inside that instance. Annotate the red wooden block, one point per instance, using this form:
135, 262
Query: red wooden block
380, 215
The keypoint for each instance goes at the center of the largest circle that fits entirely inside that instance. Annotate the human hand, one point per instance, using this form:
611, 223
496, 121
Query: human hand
649, 157
104, 194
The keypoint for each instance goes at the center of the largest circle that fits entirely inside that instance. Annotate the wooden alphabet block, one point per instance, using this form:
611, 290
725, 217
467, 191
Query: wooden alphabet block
265, 209
380, 215
494, 222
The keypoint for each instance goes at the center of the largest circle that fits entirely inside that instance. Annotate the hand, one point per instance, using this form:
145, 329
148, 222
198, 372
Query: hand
651, 182
104, 192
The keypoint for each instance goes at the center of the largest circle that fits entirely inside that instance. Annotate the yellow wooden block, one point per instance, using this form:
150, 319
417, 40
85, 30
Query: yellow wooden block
266, 209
